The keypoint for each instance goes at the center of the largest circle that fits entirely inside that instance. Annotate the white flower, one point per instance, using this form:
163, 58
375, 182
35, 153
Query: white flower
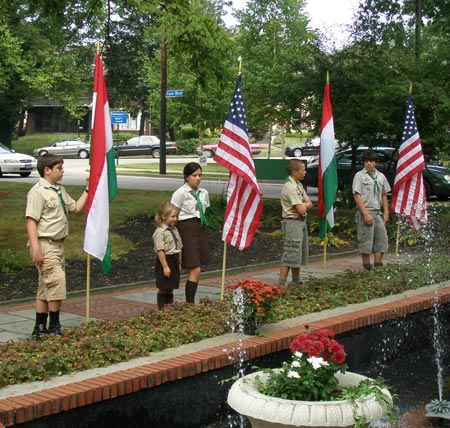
295, 363
293, 374
298, 354
317, 362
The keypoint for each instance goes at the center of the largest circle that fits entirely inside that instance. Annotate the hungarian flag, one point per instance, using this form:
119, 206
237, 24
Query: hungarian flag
244, 206
102, 176
408, 194
327, 172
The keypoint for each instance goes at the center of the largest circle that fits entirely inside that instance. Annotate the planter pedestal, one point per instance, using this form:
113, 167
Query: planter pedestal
264, 411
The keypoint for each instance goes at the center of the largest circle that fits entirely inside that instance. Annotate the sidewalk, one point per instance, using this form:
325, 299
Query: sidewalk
17, 322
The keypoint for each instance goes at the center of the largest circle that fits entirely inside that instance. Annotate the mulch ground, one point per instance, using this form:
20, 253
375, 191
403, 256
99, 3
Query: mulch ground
138, 264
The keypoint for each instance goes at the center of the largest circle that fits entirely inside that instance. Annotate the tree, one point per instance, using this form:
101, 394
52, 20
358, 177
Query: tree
277, 51
44, 55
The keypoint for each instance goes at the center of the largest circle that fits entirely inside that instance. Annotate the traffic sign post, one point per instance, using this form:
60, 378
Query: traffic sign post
174, 93
119, 117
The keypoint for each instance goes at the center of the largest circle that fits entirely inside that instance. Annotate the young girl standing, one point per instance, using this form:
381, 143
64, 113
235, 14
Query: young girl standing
168, 245
192, 200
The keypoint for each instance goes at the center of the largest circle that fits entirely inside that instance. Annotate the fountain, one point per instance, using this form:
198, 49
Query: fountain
439, 408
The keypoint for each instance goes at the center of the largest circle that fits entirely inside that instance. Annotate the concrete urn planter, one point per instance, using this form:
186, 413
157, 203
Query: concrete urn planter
264, 411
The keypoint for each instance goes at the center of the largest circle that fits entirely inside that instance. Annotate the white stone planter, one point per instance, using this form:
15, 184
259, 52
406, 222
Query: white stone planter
264, 411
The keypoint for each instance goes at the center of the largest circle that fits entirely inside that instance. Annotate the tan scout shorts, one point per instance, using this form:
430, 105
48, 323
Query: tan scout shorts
295, 243
52, 276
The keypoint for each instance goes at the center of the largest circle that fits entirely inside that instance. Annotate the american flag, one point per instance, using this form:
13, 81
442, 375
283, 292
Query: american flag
244, 205
408, 195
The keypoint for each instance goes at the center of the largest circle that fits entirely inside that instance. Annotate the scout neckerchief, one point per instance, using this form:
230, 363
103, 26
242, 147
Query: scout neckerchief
200, 207
170, 229
376, 187
58, 192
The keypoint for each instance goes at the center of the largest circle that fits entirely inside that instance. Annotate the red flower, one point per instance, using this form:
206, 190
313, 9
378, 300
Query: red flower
319, 343
258, 295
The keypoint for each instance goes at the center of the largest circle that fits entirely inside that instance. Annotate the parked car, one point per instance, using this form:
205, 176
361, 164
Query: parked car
66, 148
209, 150
436, 178
309, 148
15, 163
144, 145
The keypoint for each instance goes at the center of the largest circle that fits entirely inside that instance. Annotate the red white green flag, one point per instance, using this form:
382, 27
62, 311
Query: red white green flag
327, 173
102, 176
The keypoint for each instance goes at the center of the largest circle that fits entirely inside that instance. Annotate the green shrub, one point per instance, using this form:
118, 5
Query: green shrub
187, 146
187, 133
11, 262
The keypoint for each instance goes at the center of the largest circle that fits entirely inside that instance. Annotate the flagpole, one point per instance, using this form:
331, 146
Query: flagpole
224, 263
397, 239
88, 287
325, 240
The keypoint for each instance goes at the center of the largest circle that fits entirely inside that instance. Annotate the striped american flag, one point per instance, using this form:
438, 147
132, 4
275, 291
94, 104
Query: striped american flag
408, 194
244, 206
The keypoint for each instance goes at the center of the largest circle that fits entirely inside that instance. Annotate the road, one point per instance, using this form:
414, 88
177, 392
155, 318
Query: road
76, 171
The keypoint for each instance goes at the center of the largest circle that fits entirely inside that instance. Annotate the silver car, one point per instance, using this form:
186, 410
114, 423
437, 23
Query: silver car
66, 148
144, 145
15, 163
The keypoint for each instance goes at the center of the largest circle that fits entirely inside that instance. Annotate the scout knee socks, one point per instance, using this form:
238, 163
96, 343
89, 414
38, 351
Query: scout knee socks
190, 290
40, 327
161, 300
54, 325
169, 299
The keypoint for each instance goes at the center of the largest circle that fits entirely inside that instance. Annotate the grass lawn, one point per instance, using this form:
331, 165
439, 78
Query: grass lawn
13, 235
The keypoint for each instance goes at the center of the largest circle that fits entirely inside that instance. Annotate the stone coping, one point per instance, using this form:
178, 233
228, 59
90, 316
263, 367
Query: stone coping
24, 403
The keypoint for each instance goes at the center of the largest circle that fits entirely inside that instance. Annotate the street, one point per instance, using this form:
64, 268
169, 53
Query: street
76, 171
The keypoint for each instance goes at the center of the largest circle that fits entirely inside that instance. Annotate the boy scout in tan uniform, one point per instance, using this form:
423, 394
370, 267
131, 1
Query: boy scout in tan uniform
48, 205
295, 204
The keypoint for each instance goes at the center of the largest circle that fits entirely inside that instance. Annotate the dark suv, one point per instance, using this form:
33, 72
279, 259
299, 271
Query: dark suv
436, 178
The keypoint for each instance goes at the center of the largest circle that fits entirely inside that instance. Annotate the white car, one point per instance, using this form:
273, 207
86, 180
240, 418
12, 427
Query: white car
15, 163
66, 148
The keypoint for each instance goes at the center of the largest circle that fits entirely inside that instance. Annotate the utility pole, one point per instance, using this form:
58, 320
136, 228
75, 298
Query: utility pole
163, 106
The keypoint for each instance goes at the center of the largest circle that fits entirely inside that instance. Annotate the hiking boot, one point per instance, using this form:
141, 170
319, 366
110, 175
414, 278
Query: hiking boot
39, 330
55, 329
368, 266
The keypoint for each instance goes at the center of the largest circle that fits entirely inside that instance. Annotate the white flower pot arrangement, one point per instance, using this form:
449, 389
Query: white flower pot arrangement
312, 390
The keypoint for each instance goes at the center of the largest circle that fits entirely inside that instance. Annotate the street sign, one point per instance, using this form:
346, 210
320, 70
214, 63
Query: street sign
174, 93
119, 117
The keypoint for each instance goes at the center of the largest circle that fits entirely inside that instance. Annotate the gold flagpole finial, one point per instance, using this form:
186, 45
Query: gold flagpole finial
328, 77
410, 87
98, 47
240, 65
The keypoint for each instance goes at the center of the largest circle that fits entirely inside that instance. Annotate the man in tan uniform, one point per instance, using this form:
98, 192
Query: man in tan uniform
48, 205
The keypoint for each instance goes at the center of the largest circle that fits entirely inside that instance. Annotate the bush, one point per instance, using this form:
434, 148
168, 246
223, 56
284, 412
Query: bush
10, 261
187, 147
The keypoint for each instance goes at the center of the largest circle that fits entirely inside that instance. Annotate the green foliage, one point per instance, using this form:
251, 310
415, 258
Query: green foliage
187, 133
187, 146
373, 387
100, 343
10, 261
215, 212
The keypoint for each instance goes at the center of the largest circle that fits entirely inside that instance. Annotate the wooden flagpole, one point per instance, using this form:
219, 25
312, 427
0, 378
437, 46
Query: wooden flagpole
224, 264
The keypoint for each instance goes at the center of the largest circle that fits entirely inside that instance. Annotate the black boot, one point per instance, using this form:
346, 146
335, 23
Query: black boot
161, 300
190, 290
40, 328
54, 325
